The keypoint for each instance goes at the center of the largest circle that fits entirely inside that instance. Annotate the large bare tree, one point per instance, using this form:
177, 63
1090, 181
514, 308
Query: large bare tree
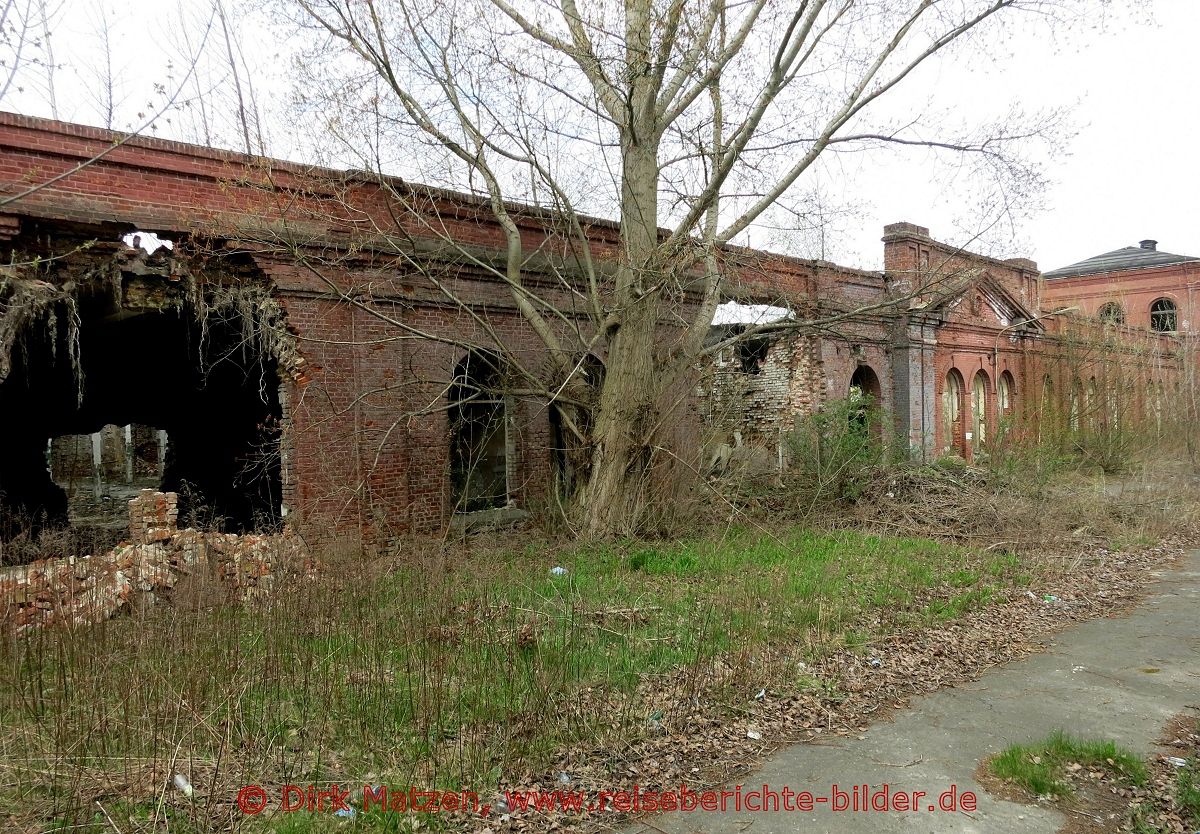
692, 123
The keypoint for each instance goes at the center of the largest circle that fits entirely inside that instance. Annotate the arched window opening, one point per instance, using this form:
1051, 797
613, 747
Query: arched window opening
979, 405
952, 427
1076, 403
1004, 393
865, 393
571, 425
1162, 316
1111, 313
478, 415
1091, 405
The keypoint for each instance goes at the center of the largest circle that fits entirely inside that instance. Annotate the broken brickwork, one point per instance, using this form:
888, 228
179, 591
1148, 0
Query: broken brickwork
153, 516
76, 591
344, 415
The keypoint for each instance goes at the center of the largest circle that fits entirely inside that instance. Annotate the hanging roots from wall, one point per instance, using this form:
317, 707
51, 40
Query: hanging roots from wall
260, 317
32, 306
29, 305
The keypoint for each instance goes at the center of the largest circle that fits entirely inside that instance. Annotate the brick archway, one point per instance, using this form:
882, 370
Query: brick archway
953, 430
980, 406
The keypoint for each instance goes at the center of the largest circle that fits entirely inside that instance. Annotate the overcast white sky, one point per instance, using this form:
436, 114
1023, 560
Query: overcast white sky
1130, 167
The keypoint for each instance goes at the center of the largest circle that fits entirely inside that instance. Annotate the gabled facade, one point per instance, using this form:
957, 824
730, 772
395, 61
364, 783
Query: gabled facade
960, 349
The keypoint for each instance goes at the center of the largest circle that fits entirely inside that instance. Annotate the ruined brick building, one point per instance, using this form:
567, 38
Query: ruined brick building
330, 400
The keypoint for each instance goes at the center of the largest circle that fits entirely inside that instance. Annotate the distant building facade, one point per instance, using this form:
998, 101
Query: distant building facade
1137, 286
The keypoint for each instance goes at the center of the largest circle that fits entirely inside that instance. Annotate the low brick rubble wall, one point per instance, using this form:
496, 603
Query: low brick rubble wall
75, 591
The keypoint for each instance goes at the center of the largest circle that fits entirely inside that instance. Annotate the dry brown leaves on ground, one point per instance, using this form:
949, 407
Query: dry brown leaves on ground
709, 741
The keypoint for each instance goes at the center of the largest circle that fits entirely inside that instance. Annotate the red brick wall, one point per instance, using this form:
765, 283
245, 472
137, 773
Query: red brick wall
1134, 289
366, 436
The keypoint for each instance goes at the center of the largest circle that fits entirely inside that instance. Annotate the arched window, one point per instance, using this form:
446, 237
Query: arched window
1004, 394
864, 393
952, 429
478, 416
1111, 313
1091, 405
571, 424
979, 407
1076, 404
1162, 316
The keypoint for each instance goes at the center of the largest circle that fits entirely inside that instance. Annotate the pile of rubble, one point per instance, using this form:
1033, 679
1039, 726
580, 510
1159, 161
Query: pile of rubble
89, 589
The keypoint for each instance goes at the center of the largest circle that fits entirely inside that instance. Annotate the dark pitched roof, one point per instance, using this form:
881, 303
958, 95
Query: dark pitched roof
1129, 257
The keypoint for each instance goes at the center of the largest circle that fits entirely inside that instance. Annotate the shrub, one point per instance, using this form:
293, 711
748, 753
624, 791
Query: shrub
835, 452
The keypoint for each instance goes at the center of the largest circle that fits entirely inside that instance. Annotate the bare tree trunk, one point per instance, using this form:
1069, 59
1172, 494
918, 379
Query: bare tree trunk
615, 494
687, 89
629, 401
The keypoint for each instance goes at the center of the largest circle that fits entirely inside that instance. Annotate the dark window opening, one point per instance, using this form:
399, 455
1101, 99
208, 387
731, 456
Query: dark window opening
752, 353
1112, 313
571, 426
1162, 316
127, 380
864, 395
478, 416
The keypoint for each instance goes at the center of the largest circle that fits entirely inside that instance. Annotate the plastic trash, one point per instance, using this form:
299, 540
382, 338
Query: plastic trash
558, 570
564, 778
654, 722
1031, 595
876, 663
346, 812
762, 693
1050, 598
753, 734
1175, 761
183, 785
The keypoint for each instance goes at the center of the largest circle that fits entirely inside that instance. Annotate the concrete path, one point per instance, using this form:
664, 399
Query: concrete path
1095, 679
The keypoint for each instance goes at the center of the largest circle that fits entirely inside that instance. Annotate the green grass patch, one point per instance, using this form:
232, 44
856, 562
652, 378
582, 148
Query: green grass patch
452, 668
1039, 768
1187, 792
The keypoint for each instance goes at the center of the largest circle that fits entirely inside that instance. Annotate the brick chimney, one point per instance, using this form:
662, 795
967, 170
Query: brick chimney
1152, 245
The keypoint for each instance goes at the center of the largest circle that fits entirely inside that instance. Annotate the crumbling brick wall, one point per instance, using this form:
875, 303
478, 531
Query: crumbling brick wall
366, 440
79, 591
